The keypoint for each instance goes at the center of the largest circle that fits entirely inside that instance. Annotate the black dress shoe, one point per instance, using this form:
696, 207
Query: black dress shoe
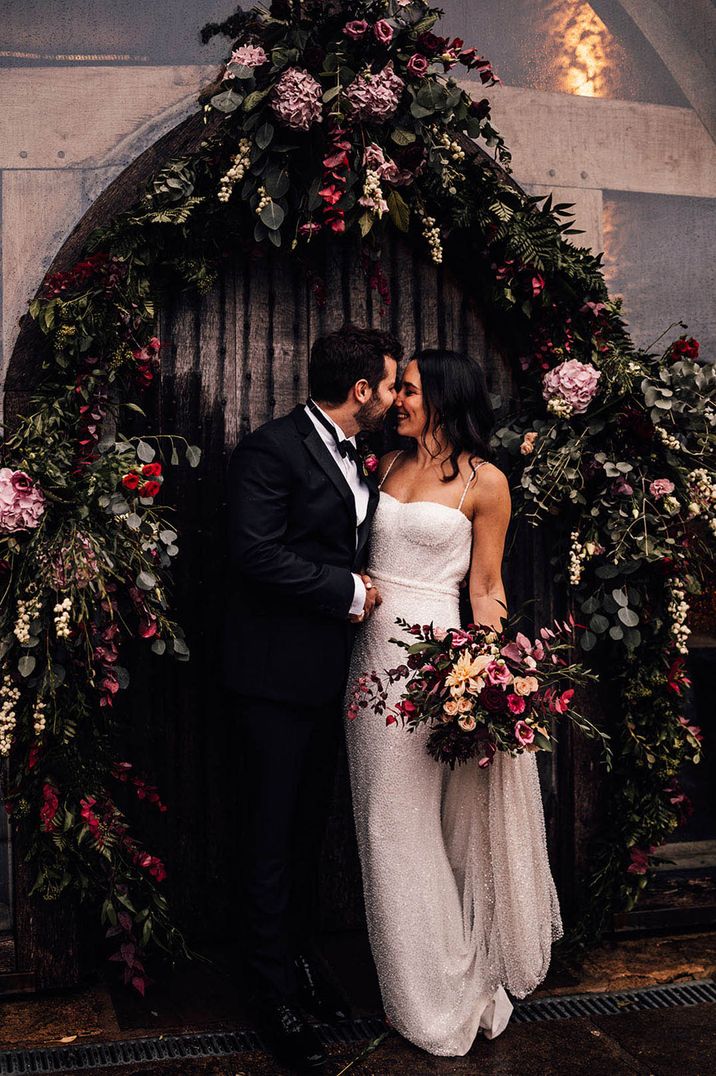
317, 994
289, 1037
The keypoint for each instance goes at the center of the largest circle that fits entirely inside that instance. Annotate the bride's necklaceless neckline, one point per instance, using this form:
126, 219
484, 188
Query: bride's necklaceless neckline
438, 504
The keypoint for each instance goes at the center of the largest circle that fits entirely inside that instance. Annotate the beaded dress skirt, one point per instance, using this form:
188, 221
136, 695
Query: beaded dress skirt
459, 896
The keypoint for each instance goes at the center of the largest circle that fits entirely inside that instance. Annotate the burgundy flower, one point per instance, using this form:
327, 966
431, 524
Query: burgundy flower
480, 109
430, 43
493, 698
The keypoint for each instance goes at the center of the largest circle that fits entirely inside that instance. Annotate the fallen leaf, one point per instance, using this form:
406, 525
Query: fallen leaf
68, 1038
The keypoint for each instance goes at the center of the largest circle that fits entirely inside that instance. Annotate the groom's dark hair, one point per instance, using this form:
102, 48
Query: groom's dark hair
340, 359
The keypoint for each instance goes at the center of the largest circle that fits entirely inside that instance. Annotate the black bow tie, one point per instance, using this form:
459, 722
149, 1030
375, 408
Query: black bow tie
345, 447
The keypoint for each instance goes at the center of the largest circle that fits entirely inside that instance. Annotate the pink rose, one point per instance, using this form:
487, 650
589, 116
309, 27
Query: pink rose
516, 704
523, 733
573, 382
660, 487
371, 463
356, 29
459, 638
417, 65
439, 634
383, 32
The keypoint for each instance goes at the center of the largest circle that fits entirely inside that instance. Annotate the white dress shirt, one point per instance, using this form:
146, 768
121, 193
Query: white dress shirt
358, 488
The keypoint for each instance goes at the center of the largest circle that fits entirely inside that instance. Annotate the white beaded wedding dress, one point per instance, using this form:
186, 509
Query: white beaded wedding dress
459, 896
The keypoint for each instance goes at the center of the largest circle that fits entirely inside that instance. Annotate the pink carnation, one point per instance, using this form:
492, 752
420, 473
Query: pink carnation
21, 502
246, 56
660, 487
516, 703
297, 99
375, 97
574, 382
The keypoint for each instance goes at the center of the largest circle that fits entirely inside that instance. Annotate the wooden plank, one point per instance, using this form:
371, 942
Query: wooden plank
609, 145
258, 346
403, 291
425, 302
67, 116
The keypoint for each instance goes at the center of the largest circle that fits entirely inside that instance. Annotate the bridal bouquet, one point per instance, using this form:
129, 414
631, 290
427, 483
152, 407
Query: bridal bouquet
481, 690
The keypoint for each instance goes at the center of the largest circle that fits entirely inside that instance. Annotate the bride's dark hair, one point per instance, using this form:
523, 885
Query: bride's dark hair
457, 405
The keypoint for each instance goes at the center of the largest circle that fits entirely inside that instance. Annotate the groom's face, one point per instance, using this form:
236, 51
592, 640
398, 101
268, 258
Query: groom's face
371, 414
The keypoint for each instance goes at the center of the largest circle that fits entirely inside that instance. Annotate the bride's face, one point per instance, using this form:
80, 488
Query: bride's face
409, 403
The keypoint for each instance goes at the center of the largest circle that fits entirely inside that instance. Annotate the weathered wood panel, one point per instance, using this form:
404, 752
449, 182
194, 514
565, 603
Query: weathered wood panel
232, 360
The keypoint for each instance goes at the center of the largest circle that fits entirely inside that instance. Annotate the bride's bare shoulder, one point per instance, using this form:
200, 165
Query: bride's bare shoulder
386, 462
491, 486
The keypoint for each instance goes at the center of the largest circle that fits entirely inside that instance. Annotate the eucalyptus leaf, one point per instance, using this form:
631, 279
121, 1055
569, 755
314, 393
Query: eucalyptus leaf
228, 101
264, 135
598, 623
193, 455
145, 452
628, 617
26, 664
158, 646
272, 215
620, 597
146, 580
588, 640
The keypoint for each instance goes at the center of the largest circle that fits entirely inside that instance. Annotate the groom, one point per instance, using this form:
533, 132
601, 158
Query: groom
300, 507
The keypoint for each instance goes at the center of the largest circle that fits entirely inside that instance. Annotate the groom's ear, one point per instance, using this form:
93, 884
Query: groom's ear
362, 391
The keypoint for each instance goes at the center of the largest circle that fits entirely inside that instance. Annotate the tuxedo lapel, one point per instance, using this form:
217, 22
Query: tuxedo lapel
317, 448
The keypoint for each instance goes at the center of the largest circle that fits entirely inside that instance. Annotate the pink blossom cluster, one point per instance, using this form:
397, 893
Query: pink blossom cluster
374, 160
245, 56
574, 382
22, 503
296, 99
375, 98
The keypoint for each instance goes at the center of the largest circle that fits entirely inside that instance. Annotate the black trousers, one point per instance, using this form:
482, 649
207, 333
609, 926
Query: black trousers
289, 762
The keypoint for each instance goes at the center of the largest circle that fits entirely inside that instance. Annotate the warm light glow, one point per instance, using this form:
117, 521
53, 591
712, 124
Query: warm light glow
586, 46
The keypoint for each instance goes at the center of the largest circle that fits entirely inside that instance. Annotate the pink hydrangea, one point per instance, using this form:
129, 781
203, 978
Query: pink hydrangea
660, 487
573, 382
246, 56
21, 502
296, 99
375, 97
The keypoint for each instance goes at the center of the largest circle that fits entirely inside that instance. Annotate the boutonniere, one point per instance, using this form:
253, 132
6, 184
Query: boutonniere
370, 464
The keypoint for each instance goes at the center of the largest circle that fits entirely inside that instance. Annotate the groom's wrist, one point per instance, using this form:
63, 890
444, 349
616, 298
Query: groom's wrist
359, 595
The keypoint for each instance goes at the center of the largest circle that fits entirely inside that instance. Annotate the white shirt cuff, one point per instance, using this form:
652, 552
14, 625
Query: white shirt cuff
359, 595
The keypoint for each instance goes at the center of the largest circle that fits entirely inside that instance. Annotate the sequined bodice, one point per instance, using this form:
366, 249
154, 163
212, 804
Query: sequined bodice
420, 542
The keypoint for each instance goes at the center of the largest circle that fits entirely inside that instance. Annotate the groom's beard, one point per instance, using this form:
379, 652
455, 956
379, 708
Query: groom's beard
371, 416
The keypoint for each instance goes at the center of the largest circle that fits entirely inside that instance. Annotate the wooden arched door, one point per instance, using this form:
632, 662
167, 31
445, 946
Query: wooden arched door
230, 361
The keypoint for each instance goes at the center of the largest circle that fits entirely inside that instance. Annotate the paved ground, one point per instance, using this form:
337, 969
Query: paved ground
670, 1042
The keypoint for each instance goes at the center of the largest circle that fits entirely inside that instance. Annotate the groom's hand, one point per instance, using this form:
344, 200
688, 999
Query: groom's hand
372, 599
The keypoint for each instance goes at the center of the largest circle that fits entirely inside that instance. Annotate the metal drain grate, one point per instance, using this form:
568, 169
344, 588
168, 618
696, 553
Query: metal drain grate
654, 997
97, 1056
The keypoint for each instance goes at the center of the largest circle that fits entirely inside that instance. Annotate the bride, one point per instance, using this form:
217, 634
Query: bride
459, 897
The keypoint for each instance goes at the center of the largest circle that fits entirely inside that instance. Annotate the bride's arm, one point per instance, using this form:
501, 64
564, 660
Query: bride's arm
491, 508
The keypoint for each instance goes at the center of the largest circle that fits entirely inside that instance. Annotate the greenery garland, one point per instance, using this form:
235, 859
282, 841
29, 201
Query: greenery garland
344, 119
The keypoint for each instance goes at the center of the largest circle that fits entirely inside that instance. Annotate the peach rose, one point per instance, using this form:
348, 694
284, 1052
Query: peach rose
467, 722
451, 707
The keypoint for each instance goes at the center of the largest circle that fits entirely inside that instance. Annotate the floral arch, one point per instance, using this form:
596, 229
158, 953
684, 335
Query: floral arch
339, 119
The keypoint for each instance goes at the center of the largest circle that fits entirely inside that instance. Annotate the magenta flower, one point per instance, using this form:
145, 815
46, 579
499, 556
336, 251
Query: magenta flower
296, 99
375, 97
523, 733
516, 703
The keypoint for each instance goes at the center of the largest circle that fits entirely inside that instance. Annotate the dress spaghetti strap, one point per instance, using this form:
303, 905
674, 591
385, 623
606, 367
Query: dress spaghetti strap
390, 467
469, 482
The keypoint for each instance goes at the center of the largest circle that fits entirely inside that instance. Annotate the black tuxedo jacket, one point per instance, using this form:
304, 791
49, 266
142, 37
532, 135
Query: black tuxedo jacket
292, 550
